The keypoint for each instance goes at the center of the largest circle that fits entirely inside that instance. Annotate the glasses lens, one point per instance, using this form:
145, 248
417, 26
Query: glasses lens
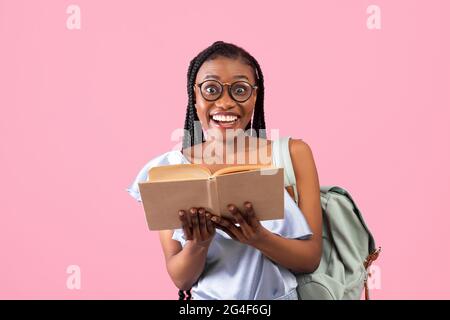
241, 91
211, 90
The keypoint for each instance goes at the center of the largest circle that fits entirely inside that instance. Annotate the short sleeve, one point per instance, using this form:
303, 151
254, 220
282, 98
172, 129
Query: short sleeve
133, 188
178, 235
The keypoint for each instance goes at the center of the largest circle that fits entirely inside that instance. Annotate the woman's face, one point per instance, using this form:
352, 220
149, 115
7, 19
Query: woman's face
224, 70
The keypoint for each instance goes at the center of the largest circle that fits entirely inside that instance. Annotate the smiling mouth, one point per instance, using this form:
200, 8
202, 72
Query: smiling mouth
224, 121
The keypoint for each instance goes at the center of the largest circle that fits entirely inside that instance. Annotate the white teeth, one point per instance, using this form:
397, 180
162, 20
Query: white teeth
224, 118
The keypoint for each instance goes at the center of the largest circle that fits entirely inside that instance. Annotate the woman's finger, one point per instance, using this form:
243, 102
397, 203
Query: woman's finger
195, 224
251, 215
238, 218
184, 225
202, 226
230, 226
243, 213
209, 224
188, 219
228, 232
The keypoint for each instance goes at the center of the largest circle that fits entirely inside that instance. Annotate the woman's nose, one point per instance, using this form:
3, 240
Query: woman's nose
225, 100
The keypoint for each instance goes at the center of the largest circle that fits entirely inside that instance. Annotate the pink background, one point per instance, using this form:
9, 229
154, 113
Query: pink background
83, 110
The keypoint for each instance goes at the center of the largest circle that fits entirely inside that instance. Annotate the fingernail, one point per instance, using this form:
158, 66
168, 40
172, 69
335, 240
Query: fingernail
230, 207
181, 213
214, 219
248, 204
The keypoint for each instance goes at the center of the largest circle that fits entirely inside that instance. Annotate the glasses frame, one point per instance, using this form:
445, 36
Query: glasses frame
253, 87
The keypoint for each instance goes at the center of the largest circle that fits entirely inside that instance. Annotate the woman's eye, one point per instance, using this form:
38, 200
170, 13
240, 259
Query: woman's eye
240, 91
211, 90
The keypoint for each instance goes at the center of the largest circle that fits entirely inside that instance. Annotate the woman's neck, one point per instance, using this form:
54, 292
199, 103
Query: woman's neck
234, 151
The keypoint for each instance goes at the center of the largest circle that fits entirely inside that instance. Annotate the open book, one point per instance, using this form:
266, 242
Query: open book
171, 188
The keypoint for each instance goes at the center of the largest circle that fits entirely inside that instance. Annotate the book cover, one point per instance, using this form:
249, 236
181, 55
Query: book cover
171, 188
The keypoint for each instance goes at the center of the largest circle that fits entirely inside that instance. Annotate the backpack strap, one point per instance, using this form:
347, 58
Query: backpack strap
282, 158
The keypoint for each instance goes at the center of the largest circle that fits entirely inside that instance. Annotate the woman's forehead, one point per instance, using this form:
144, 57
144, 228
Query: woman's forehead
225, 69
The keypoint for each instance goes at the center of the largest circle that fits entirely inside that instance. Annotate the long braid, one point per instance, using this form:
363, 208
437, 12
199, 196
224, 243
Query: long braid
194, 135
259, 124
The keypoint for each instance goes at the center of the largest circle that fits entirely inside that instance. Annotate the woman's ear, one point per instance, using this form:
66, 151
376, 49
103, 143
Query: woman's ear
255, 95
195, 96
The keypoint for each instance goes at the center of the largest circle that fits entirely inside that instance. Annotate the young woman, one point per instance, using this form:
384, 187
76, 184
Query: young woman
240, 258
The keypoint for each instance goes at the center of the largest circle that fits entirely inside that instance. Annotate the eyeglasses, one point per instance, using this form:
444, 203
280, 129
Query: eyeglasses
239, 91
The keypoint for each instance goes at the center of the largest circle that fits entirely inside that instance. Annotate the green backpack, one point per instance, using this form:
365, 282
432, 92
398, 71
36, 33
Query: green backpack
348, 246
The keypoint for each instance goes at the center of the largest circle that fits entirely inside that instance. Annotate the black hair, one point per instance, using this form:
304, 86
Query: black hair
229, 50
193, 137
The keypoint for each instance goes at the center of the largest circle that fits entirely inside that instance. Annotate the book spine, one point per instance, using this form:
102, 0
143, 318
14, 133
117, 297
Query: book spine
213, 196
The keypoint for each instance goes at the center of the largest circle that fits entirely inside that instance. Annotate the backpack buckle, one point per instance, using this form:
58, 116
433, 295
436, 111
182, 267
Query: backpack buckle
372, 257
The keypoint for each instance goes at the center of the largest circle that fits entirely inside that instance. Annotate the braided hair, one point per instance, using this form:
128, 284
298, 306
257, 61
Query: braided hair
193, 134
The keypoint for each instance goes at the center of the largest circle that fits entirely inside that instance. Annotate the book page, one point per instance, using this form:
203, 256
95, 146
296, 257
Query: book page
178, 172
241, 168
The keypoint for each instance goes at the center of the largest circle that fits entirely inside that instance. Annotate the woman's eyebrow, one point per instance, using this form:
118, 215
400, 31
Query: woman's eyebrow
212, 76
241, 76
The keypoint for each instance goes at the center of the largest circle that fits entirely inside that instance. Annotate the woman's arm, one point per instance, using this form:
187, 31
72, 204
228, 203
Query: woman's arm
185, 265
301, 256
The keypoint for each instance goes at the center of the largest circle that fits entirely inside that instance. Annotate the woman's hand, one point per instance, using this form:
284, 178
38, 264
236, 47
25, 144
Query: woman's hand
197, 226
250, 231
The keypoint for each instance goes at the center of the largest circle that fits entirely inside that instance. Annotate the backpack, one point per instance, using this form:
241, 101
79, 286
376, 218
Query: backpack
348, 247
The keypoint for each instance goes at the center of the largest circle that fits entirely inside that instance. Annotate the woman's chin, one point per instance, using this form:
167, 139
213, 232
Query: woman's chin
225, 133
